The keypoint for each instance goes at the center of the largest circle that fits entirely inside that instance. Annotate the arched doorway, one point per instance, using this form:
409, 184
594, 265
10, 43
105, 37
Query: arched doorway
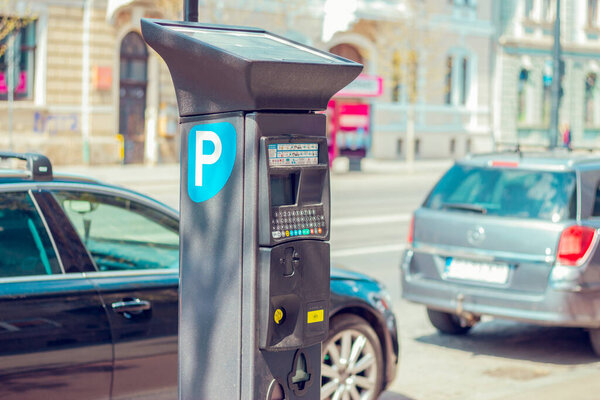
347, 51
132, 95
348, 118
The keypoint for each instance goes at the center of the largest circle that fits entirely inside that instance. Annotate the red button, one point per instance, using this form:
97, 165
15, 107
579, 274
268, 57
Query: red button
312, 231
320, 231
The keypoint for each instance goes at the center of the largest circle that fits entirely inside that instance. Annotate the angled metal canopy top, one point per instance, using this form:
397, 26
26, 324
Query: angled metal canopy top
219, 69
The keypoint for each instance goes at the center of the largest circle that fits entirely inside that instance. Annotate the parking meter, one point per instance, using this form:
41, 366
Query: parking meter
254, 205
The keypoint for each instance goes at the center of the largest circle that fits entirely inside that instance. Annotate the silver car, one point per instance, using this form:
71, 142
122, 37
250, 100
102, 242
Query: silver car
510, 235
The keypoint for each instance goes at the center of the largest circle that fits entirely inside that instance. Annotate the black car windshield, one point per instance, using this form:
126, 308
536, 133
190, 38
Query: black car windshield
506, 192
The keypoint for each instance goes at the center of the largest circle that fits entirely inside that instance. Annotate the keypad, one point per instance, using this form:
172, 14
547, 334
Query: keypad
306, 221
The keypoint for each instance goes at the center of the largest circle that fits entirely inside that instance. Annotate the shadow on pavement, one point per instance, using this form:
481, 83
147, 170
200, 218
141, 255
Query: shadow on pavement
562, 346
393, 396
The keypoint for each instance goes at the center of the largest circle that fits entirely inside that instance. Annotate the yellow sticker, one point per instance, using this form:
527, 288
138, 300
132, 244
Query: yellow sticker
314, 316
278, 316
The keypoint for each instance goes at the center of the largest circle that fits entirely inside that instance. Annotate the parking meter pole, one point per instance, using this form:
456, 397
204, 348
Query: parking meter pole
254, 206
190, 10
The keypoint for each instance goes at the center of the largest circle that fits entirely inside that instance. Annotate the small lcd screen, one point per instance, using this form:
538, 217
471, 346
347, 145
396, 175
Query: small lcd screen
290, 154
283, 190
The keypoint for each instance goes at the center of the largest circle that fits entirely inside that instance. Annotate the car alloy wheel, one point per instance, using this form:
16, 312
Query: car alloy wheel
352, 361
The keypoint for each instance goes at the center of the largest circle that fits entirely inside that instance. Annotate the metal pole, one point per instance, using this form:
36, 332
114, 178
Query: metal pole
556, 80
85, 81
190, 10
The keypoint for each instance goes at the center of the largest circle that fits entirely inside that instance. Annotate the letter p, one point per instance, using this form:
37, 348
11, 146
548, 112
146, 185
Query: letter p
206, 159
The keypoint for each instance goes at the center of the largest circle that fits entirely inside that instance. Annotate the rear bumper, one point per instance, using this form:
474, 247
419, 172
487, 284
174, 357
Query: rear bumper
564, 305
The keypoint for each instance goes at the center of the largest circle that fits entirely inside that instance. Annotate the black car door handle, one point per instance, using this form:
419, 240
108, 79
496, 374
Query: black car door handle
131, 306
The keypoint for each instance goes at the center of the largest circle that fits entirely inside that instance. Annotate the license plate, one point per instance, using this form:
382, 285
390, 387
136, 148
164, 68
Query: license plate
496, 273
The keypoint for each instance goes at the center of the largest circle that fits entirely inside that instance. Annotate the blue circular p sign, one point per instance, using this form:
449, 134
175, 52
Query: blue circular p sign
211, 155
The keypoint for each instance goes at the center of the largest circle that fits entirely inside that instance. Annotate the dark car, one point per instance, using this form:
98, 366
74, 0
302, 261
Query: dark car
511, 235
89, 301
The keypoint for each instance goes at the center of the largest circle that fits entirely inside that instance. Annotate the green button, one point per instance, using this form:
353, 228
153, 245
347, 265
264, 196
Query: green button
306, 232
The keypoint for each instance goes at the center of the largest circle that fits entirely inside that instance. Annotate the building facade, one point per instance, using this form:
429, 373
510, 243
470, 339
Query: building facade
524, 72
435, 58
88, 90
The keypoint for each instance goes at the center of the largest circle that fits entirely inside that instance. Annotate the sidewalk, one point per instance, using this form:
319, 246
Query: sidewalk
585, 387
125, 173
376, 166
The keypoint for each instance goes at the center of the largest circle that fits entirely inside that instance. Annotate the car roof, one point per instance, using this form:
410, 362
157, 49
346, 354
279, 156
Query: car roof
24, 176
13, 176
559, 159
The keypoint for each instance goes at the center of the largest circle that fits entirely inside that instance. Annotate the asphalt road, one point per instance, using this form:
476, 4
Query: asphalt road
497, 360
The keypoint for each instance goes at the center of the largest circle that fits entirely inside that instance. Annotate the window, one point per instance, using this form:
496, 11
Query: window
413, 65
589, 99
405, 76
546, 99
522, 90
25, 246
122, 234
548, 10
399, 147
596, 211
464, 80
592, 13
396, 76
528, 8
540, 11
458, 78
23, 38
465, 3
448, 87
506, 192
452, 146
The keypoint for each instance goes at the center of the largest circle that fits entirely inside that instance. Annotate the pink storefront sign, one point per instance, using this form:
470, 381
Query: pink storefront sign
363, 86
21, 86
353, 116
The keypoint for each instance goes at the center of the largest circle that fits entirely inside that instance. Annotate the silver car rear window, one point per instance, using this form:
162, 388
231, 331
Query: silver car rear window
508, 192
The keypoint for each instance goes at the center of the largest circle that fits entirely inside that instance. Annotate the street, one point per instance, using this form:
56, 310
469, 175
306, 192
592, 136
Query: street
370, 215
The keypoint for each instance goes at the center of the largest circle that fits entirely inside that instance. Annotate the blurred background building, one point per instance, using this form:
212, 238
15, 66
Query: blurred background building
524, 71
435, 60
442, 77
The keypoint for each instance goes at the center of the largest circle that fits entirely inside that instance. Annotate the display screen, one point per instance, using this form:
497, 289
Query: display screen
287, 154
257, 45
283, 190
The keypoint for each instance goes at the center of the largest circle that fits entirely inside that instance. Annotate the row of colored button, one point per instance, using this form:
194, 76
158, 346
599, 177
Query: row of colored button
297, 232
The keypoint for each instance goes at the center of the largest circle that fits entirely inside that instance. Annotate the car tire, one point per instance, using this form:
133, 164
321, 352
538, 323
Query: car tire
595, 340
361, 371
447, 323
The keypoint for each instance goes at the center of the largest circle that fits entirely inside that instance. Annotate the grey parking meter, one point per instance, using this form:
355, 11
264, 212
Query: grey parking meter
255, 208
